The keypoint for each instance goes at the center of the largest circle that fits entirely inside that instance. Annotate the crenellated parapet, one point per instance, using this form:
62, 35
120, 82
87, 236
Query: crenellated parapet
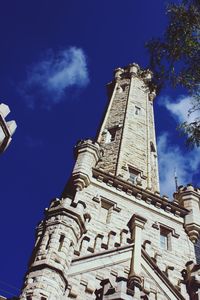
189, 198
87, 154
134, 70
101, 242
57, 236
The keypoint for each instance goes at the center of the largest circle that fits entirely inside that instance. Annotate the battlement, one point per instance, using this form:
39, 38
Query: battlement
188, 188
133, 70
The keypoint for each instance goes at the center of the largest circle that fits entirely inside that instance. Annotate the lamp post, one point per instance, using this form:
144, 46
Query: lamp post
7, 129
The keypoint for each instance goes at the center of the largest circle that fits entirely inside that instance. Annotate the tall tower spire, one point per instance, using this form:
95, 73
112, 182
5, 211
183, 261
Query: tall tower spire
127, 133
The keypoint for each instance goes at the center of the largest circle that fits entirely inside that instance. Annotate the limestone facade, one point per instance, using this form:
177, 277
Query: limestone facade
111, 235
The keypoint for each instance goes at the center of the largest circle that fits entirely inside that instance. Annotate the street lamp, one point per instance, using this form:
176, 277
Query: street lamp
7, 129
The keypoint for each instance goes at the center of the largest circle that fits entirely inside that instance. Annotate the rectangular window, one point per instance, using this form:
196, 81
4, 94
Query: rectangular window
164, 239
163, 242
105, 214
133, 175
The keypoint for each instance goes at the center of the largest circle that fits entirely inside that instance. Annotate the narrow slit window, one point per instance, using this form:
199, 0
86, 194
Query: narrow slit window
137, 110
48, 242
152, 147
61, 241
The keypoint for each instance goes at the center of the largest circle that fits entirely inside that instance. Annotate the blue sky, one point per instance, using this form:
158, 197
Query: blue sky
56, 58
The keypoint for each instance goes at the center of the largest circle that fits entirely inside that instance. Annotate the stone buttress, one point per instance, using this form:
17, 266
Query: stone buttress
111, 235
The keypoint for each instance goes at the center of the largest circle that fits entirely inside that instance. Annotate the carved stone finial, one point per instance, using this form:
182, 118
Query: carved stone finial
134, 69
152, 95
134, 281
118, 73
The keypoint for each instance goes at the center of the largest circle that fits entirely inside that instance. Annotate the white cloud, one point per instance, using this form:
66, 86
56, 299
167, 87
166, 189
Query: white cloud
179, 108
49, 79
171, 157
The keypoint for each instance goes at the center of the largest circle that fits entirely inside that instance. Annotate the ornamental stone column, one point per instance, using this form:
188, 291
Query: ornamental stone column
136, 225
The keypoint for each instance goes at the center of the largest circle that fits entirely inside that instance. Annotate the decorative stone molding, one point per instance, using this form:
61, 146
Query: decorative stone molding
147, 196
111, 203
157, 226
80, 180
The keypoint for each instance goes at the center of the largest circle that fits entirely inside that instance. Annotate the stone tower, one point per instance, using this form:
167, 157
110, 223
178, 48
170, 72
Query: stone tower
111, 235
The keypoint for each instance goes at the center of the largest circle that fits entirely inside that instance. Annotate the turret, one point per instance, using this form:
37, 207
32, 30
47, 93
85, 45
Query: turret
189, 198
87, 153
57, 235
